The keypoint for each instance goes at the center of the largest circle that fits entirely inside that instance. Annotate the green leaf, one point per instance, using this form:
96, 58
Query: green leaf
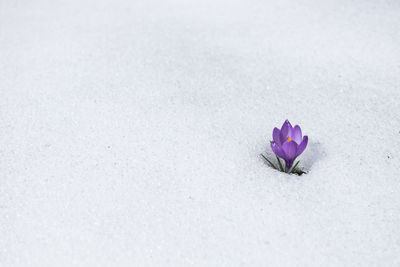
270, 163
280, 164
294, 167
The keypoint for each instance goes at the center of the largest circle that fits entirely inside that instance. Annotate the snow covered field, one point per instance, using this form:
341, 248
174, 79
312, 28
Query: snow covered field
130, 132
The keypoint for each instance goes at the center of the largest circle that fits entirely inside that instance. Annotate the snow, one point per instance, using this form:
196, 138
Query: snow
130, 132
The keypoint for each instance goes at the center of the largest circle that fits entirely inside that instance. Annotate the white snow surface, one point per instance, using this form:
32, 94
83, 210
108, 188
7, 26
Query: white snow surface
131, 132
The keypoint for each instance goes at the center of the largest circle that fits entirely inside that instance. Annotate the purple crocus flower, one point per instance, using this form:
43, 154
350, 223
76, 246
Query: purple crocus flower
288, 143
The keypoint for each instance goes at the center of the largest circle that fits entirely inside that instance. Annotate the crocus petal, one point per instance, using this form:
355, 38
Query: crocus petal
303, 145
277, 150
275, 135
290, 150
285, 130
296, 134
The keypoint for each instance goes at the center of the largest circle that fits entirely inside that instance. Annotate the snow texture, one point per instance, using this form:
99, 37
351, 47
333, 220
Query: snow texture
131, 132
